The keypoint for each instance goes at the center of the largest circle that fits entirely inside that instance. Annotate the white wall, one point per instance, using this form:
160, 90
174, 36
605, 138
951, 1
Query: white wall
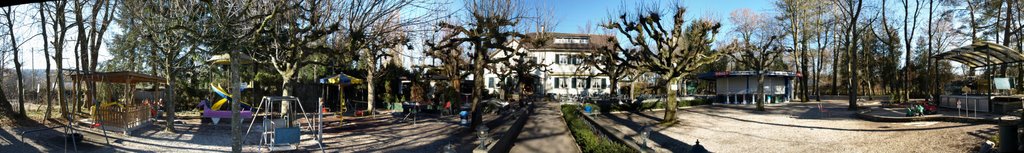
557, 70
738, 85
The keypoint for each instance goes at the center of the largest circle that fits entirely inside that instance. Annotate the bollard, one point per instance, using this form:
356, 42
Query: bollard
1008, 134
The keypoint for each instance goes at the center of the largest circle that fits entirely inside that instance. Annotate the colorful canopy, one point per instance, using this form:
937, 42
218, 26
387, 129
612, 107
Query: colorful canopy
341, 79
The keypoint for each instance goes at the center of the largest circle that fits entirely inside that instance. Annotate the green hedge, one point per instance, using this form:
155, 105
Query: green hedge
587, 139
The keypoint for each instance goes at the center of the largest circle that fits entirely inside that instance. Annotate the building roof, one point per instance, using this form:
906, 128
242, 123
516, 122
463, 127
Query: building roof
118, 77
726, 74
595, 41
981, 54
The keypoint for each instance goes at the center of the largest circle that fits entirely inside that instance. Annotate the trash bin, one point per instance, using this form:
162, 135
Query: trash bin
463, 118
1008, 134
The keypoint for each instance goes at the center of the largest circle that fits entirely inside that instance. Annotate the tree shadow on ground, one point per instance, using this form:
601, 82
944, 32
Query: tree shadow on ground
828, 128
384, 130
656, 136
53, 139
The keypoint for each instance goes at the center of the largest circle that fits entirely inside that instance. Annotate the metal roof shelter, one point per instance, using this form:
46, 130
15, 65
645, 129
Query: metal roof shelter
982, 54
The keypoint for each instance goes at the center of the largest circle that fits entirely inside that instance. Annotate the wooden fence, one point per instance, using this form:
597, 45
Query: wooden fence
123, 119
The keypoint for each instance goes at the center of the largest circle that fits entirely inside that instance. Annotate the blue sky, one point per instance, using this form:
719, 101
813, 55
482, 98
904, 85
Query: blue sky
573, 13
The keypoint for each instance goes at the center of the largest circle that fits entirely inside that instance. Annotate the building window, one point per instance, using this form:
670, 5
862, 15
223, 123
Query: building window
574, 83
572, 40
604, 83
557, 83
589, 84
490, 82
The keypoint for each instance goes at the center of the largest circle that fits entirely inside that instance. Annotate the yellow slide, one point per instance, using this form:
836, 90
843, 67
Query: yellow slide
220, 91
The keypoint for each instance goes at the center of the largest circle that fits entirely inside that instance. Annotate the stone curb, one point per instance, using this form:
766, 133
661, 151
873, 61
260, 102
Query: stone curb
970, 120
611, 136
505, 143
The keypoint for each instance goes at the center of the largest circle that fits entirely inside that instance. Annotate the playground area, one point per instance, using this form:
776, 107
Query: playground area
796, 127
193, 134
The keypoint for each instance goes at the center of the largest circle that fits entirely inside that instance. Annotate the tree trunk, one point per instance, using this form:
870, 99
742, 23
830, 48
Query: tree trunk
5, 106
851, 47
236, 120
501, 88
171, 96
804, 68
614, 85
670, 103
46, 58
760, 91
478, 84
835, 71
17, 64
286, 90
371, 91
457, 87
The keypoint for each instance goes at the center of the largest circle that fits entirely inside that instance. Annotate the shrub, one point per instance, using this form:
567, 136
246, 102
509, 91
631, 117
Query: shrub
587, 139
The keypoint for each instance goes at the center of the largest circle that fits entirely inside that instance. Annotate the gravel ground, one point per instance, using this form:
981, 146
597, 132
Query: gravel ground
796, 127
425, 136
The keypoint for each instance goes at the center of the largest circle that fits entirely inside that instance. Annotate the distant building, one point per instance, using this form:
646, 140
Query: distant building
565, 74
740, 87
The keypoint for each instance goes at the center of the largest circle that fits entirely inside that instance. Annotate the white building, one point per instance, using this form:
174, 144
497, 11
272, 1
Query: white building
740, 87
565, 74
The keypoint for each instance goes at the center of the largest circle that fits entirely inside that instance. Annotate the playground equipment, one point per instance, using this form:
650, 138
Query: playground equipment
122, 115
216, 115
214, 111
341, 80
277, 133
224, 97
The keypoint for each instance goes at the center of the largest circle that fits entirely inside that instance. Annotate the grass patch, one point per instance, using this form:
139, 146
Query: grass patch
588, 140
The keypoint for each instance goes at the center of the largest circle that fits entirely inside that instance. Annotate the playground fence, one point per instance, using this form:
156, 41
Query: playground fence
123, 119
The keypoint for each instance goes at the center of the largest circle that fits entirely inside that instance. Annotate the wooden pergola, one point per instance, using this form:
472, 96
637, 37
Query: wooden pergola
118, 77
127, 116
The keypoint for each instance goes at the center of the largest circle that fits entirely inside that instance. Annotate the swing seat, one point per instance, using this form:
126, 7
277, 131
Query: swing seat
284, 139
284, 136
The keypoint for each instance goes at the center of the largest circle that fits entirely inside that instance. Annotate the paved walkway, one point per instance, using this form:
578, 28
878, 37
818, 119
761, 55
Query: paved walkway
546, 131
797, 127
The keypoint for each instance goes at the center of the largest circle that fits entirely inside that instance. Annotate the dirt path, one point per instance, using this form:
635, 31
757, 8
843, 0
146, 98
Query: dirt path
798, 127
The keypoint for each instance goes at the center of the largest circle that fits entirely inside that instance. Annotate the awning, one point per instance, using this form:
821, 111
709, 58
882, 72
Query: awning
724, 74
117, 77
342, 79
982, 54
225, 59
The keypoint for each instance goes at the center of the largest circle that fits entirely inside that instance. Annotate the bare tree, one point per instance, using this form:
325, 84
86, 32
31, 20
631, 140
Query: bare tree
757, 47
8, 13
60, 28
852, 9
909, 27
489, 26
673, 52
46, 57
373, 28
296, 31
171, 29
